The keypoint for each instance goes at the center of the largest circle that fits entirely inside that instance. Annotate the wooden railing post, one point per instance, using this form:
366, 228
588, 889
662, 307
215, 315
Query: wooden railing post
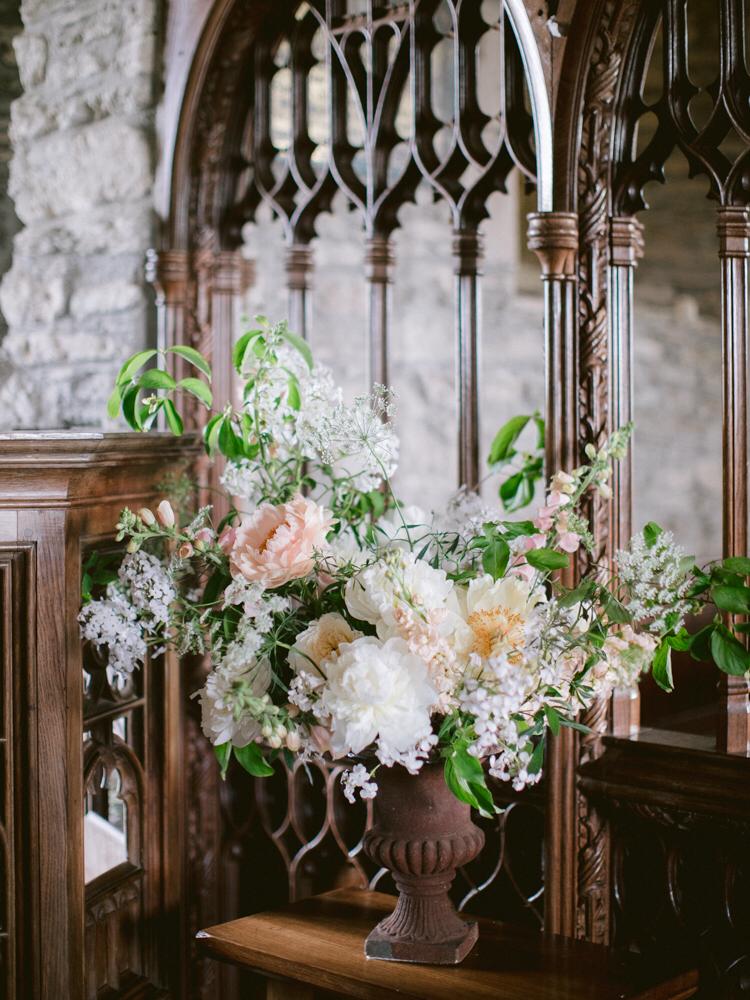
625, 250
553, 236
734, 250
467, 257
379, 261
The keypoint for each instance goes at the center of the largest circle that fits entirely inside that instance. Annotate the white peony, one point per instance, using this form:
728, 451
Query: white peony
321, 641
225, 715
378, 592
377, 692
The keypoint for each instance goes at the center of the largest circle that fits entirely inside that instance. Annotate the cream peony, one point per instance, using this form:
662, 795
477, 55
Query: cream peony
498, 614
277, 544
321, 641
377, 692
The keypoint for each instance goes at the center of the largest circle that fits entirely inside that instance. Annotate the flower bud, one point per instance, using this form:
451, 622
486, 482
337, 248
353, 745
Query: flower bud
132, 546
165, 514
590, 451
146, 516
274, 742
281, 731
185, 550
267, 731
292, 710
204, 536
293, 741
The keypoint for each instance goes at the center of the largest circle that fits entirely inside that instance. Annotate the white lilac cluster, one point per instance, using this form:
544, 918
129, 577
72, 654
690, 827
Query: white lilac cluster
235, 703
358, 779
136, 607
656, 574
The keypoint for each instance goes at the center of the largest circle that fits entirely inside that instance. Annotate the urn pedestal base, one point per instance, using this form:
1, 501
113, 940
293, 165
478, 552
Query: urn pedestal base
421, 834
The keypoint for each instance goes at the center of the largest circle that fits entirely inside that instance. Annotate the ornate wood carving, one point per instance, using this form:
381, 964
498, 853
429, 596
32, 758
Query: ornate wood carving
61, 494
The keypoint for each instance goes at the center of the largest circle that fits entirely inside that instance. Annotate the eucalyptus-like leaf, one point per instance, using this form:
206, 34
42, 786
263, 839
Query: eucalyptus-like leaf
501, 448
194, 357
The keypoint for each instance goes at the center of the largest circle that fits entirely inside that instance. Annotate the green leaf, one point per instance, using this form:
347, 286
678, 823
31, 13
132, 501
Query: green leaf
616, 611
651, 532
737, 564
211, 433
537, 758
582, 592
728, 652
229, 444
300, 345
553, 719
156, 378
460, 789
240, 348
700, 646
194, 357
682, 641
197, 388
495, 557
174, 419
293, 395
129, 411
502, 446
540, 440
572, 724
515, 529
113, 403
132, 365
661, 667
223, 753
733, 599
252, 759
547, 559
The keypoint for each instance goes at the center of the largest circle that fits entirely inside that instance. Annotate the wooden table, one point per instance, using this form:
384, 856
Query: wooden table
317, 945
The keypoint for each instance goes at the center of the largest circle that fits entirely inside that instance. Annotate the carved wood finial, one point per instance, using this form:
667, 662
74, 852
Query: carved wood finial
553, 236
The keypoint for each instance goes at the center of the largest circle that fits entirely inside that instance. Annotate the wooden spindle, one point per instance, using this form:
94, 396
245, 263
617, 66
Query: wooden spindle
379, 261
467, 258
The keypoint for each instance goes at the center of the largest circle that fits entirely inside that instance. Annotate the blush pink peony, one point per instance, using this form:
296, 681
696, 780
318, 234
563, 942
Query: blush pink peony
278, 544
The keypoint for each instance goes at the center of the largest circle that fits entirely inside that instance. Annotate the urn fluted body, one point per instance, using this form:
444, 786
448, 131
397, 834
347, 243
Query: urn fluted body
421, 833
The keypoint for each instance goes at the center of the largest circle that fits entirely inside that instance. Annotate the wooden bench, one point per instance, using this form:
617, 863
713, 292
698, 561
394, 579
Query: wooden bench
317, 946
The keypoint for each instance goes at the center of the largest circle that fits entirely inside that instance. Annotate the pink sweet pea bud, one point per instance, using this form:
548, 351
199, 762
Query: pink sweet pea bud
165, 514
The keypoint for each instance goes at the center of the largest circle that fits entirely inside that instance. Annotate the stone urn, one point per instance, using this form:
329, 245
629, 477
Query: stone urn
421, 833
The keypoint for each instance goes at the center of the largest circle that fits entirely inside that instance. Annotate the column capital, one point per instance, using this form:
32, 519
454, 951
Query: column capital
733, 227
231, 272
553, 237
626, 243
167, 271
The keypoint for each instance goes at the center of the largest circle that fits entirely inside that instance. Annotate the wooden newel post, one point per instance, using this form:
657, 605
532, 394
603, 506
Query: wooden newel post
467, 257
734, 250
625, 250
379, 262
553, 236
167, 271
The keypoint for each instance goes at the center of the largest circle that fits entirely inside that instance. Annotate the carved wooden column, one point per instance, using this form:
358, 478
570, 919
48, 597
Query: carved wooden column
553, 236
467, 257
167, 270
379, 261
299, 262
625, 250
734, 249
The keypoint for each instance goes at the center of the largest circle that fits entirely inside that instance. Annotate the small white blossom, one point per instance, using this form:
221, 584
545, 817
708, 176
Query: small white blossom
358, 780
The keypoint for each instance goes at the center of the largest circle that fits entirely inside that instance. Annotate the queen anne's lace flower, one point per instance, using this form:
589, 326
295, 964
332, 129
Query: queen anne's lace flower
657, 578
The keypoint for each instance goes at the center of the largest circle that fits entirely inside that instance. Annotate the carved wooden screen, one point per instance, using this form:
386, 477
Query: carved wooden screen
291, 108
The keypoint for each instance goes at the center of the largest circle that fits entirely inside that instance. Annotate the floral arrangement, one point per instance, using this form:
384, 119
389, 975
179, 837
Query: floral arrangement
340, 622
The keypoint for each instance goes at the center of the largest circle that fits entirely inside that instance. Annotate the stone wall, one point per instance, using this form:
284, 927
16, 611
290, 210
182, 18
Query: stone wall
81, 178
10, 89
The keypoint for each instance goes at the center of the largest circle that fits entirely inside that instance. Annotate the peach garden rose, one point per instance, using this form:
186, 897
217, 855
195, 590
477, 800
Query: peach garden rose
276, 544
